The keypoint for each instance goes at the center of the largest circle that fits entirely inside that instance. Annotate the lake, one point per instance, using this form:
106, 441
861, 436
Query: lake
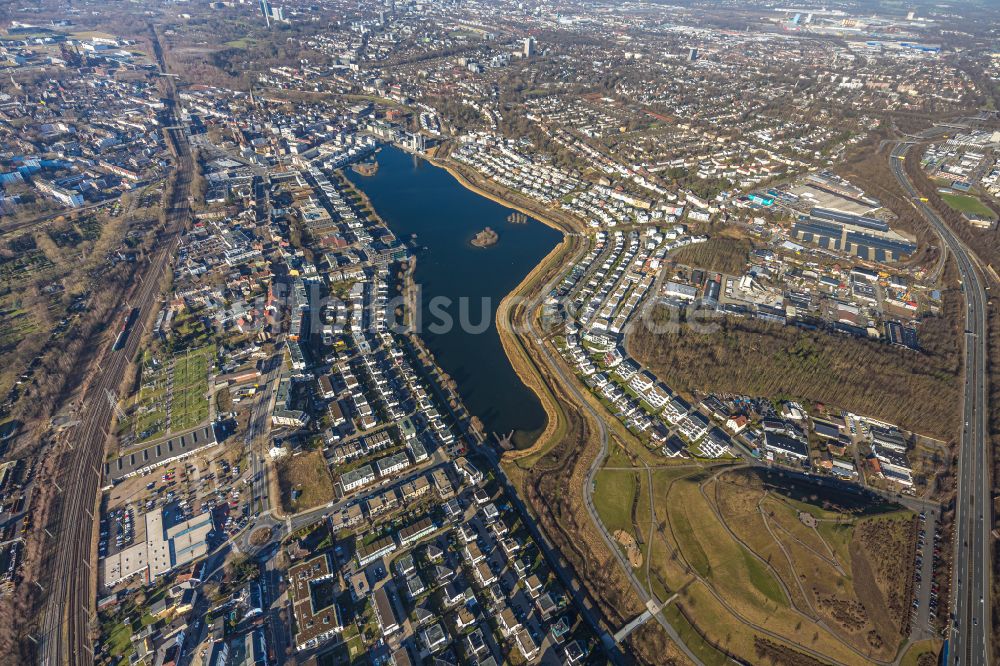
415, 197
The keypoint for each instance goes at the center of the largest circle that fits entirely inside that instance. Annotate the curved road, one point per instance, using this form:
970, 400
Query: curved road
971, 645
969, 635
570, 383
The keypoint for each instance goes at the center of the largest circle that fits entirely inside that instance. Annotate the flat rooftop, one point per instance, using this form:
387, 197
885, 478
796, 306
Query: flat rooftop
314, 589
159, 453
165, 548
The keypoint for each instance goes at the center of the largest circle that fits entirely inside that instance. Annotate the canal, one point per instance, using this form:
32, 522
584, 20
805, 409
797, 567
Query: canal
417, 198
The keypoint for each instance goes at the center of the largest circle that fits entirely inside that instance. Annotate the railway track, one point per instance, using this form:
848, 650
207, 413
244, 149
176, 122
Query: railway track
66, 630
69, 606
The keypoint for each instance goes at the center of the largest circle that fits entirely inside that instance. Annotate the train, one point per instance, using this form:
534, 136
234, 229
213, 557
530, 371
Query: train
127, 323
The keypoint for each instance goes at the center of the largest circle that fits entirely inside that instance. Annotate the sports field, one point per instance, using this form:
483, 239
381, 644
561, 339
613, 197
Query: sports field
965, 203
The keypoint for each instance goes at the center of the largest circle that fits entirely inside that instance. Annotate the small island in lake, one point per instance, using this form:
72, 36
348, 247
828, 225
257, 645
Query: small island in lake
367, 168
485, 238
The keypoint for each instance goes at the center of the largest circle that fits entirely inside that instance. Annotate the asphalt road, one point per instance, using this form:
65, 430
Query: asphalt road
975, 405
258, 427
281, 527
969, 635
923, 624
647, 597
260, 416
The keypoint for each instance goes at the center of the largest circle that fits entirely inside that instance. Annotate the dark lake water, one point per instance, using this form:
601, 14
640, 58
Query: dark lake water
415, 197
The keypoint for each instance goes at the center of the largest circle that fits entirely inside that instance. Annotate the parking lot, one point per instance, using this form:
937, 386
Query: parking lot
212, 481
923, 612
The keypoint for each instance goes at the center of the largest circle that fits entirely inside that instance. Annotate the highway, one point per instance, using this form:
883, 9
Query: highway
973, 561
969, 633
70, 583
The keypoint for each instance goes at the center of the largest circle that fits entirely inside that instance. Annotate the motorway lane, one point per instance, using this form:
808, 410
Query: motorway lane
570, 382
971, 574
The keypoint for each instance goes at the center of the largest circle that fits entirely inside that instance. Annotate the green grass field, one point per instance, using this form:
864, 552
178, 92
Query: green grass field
15, 325
118, 639
147, 411
92, 34
705, 651
241, 43
308, 475
614, 493
762, 579
689, 544
912, 656
965, 203
744, 569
